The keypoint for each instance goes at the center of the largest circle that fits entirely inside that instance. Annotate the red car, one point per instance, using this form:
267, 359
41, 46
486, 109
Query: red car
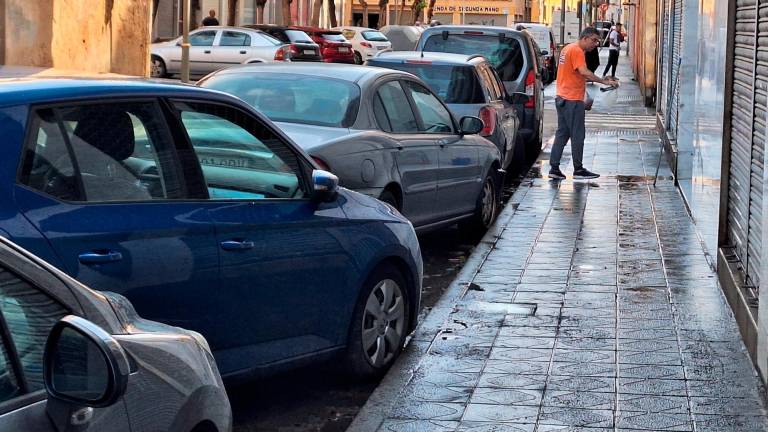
333, 45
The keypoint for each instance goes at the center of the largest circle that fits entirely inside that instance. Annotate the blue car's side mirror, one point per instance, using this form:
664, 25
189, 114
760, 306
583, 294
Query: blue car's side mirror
325, 185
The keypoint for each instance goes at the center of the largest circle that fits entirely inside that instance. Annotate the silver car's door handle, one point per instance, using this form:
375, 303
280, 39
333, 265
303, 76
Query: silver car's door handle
442, 142
243, 51
207, 51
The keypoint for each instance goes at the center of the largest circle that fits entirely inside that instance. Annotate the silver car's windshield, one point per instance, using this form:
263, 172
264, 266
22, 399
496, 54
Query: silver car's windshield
294, 98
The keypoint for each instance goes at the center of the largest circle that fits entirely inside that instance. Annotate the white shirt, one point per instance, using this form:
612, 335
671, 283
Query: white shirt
614, 38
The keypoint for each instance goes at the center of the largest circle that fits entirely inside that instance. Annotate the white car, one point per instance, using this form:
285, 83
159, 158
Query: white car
214, 48
366, 42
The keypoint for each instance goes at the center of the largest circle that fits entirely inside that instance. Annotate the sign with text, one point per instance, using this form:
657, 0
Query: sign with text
495, 10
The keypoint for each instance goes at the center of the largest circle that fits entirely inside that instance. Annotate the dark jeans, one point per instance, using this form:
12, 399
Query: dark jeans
613, 61
570, 125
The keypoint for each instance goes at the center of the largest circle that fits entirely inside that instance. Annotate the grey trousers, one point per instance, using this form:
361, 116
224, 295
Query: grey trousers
570, 125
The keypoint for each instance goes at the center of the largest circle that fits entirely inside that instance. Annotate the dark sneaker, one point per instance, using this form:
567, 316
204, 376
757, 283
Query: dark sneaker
583, 173
555, 173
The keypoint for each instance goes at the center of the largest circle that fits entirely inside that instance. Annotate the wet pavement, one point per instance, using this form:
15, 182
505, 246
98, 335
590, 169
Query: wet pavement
590, 306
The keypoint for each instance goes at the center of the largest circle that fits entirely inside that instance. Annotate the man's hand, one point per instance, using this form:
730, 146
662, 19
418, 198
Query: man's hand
611, 82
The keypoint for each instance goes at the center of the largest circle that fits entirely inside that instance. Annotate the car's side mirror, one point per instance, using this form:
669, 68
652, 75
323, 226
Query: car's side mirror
325, 185
470, 125
517, 98
83, 365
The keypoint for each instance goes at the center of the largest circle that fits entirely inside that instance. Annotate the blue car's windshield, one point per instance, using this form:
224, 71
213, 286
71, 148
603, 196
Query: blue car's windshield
294, 98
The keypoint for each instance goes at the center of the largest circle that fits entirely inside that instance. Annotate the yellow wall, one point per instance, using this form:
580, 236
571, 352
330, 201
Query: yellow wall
86, 35
548, 5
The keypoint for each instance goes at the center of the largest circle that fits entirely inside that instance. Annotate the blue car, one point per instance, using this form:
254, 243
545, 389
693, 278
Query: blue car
205, 216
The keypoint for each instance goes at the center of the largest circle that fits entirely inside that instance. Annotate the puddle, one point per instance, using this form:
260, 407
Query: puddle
516, 309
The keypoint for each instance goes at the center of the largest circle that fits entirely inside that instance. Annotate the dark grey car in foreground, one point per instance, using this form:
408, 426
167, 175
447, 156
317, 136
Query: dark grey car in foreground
73, 359
383, 132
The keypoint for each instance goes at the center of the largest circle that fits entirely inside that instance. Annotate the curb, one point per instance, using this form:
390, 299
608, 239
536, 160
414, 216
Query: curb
379, 404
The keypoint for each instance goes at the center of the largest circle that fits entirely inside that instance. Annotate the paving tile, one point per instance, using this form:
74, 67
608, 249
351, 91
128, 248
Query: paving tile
443, 378
418, 393
579, 343
472, 426
542, 287
580, 399
539, 297
607, 370
655, 421
647, 323
649, 334
516, 354
651, 371
575, 417
512, 381
653, 404
586, 321
503, 396
720, 423
575, 286
746, 387
562, 428
501, 413
538, 332
650, 358
429, 411
522, 367
581, 383
532, 321
588, 332
648, 345
432, 363
565, 355
395, 425
651, 386
524, 342
728, 406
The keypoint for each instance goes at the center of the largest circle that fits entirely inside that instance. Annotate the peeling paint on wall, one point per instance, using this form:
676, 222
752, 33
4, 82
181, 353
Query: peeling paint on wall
87, 35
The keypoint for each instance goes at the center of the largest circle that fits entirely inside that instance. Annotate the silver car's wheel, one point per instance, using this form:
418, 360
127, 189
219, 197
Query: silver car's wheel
157, 68
383, 323
488, 202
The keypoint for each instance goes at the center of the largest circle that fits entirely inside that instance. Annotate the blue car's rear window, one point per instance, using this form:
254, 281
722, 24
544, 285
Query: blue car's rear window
455, 84
506, 56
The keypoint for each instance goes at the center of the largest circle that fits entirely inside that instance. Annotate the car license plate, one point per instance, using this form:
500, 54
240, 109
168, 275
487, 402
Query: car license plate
309, 52
381, 47
343, 49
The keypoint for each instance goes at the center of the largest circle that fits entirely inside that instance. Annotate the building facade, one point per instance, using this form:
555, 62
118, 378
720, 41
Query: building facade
90, 36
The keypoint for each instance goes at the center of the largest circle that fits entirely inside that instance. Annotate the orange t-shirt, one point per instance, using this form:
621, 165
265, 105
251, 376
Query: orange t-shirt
570, 83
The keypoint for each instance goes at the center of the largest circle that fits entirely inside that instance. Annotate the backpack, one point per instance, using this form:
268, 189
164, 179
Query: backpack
621, 36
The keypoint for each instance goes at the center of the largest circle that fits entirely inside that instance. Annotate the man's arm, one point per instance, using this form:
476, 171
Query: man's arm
586, 73
614, 39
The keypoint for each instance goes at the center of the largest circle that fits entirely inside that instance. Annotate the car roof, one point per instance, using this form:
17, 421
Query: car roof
315, 29
354, 28
534, 25
476, 28
22, 86
346, 72
434, 57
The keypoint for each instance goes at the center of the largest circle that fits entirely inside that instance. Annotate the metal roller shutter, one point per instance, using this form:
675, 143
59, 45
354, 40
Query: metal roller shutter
741, 192
664, 53
677, 42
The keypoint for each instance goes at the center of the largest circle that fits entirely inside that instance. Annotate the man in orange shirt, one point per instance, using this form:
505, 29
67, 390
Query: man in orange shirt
572, 75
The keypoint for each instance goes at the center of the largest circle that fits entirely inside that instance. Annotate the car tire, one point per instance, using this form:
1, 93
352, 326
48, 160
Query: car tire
487, 206
390, 198
379, 324
358, 58
157, 68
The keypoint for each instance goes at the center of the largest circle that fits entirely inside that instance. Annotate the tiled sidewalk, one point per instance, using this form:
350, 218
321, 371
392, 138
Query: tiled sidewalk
590, 307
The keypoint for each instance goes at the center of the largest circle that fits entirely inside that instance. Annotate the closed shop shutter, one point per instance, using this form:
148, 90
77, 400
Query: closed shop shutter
741, 190
677, 42
664, 52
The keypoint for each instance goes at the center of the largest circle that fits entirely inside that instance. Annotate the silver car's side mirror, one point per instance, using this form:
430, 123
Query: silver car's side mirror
325, 185
83, 365
470, 125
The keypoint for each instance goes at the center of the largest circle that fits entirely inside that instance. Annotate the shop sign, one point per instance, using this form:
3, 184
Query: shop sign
469, 9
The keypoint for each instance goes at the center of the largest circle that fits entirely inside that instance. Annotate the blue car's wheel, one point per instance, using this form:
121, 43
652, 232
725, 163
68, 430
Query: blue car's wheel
379, 324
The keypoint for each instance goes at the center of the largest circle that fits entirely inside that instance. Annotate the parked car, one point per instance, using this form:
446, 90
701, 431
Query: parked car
605, 29
76, 359
300, 44
402, 37
206, 216
333, 45
542, 35
514, 57
215, 48
383, 132
365, 41
470, 87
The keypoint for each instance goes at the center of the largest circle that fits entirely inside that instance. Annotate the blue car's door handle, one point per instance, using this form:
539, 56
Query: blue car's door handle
237, 245
98, 257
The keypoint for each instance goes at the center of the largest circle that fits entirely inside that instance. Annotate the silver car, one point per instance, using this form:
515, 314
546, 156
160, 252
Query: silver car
214, 48
383, 132
76, 359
